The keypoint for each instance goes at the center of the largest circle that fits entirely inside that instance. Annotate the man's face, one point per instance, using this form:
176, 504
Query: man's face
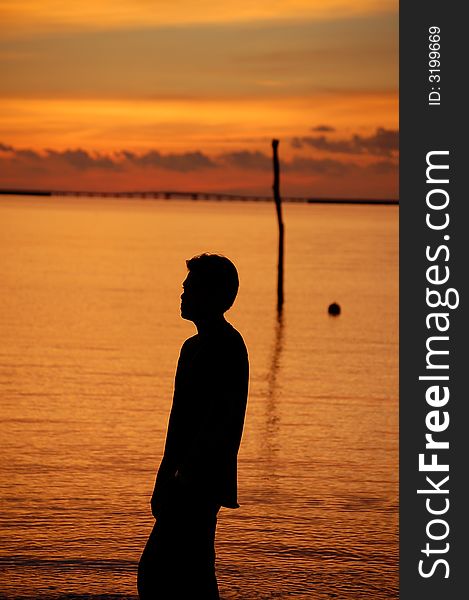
194, 303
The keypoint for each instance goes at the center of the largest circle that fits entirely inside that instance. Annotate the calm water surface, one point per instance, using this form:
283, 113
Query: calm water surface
91, 333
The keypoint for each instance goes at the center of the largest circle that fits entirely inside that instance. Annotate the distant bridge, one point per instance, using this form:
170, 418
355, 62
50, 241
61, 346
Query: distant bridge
169, 195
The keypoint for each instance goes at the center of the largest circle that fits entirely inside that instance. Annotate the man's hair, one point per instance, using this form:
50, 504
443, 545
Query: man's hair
218, 275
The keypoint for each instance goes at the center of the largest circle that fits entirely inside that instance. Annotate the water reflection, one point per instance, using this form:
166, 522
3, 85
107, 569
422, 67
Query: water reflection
276, 356
270, 437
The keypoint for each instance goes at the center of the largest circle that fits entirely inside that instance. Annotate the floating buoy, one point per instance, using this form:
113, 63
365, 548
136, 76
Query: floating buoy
334, 309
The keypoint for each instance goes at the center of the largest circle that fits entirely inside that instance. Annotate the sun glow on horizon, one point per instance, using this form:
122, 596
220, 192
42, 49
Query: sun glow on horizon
199, 80
141, 124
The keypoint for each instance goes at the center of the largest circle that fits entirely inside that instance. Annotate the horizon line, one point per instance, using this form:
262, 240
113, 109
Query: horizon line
194, 195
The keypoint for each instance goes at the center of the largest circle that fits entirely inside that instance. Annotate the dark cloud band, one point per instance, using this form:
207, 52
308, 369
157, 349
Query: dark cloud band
385, 142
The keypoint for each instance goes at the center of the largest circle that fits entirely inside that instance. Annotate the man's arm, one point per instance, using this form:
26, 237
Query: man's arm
163, 485
168, 466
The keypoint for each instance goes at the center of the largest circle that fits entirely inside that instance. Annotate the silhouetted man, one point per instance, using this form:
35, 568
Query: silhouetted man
198, 473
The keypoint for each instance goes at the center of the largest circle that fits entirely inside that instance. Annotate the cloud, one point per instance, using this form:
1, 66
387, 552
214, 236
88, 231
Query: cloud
200, 61
320, 167
246, 159
242, 169
385, 142
182, 162
323, 128
259, 161
81, 160
26, 154
383, 167
50, 15
78, 159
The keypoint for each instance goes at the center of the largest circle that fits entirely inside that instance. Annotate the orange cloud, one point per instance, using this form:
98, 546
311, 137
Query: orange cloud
45, 15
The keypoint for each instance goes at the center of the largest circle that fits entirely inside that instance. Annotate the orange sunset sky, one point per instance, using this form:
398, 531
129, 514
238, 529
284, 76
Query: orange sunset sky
187, 95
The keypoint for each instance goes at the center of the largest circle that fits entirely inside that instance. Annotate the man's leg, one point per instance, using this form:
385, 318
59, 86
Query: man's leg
178, 561
157, 566
197, 545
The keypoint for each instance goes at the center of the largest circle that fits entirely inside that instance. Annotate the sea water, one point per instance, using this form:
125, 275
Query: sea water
90, 336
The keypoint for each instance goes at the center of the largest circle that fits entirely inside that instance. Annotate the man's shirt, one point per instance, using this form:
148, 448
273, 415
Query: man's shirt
207, 417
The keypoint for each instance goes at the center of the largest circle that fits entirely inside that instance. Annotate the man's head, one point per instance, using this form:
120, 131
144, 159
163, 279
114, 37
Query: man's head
210, 287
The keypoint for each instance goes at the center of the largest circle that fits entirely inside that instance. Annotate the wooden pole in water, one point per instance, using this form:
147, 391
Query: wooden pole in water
278, 206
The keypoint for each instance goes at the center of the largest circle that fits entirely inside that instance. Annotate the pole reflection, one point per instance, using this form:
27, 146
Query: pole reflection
271, 430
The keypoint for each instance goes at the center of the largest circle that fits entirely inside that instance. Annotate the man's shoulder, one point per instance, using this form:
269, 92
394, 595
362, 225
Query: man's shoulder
191, 341
235, 336
232, 341
225, 340
189, 346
